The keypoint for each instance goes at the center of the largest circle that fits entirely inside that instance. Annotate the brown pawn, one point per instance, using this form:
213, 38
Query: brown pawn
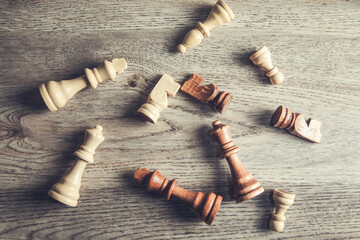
244, 185
204, 205
296, 124
207, 94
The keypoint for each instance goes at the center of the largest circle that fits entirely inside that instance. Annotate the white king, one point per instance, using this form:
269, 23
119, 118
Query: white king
56, 94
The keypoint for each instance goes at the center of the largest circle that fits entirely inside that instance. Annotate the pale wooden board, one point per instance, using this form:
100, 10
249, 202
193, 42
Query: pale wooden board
316, 44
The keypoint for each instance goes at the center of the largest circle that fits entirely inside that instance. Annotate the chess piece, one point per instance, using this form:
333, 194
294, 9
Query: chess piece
207, 94
219, 15
262, 58
204, 205
296, 124
56, 94
157, 100
244, 185
282, 201
67, 189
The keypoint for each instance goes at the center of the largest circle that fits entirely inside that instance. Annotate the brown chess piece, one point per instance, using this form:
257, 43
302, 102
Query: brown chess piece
204, 205
296, 124
244, 185
207, 94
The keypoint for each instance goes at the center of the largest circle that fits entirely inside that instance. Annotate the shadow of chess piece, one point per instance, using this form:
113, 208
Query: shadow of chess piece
207, 94
204, 205
262, 58
31, 99
56, 94
67, 189
296, 124
219, 15
282, 201
244, 185
157, 99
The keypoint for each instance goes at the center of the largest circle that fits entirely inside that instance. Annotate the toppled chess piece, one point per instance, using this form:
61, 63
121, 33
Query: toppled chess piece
262, 58
56, 94
204, 205
219, 15
244, 185
282, 201
296, 124
67, 189
157, 99
207, 94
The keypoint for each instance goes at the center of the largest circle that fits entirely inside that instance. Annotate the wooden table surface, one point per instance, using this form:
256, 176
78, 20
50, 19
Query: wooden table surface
316, 44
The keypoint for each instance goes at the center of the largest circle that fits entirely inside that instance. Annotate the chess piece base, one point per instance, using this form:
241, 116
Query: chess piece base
222, 101
46, 97
214, 210
149, 113
62, 199
252, 194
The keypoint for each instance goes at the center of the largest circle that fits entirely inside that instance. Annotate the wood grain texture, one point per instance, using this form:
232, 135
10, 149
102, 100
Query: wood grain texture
316, 44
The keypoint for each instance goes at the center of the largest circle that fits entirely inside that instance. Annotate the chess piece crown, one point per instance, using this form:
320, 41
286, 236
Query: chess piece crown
219, 15
56, 94
245, 186
282, 201
157, 99
67, 189
207, 94
204, 205
262, 58
296, 124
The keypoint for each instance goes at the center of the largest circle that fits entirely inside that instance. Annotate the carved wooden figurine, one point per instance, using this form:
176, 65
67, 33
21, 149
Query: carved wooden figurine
244, 185
204, 205
157, 100
262, 58
207, 94
220, 14
56, 94
282, 201
296, 124
67, 189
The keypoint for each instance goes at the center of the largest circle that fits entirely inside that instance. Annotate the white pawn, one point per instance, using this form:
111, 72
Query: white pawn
262, 58
219, 15
157, 99
56, 94
67, 189
282, 201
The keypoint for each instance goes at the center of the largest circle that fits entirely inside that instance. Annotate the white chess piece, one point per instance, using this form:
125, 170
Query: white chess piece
219, 15
282, 201
262, 58
56, 94
157, 99
67, 189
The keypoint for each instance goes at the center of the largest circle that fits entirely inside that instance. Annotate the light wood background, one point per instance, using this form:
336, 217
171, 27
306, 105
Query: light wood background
316, 44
